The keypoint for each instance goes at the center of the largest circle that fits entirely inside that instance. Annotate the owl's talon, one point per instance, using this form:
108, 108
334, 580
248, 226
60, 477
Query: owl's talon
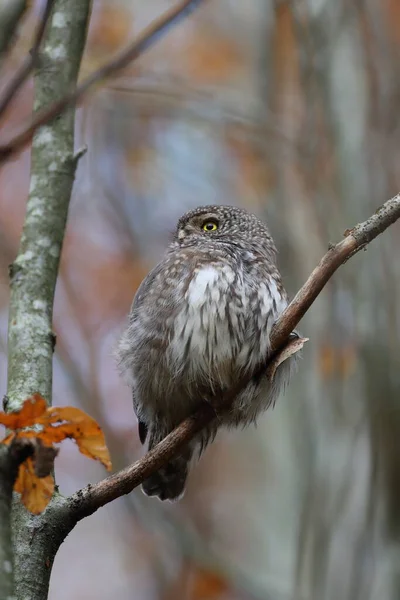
210, 402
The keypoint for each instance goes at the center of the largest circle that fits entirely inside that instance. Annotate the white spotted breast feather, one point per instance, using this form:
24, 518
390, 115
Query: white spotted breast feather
199, 319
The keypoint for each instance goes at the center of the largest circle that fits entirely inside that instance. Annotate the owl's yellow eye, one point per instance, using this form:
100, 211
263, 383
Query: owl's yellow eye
209, 226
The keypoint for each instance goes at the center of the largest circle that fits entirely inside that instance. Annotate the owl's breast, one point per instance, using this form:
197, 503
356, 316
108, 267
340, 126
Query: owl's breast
220, 324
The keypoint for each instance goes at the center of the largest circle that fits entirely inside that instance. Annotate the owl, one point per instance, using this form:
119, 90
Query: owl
200, 321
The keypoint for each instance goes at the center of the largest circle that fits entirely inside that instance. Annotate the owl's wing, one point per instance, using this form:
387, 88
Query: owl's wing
157, 294
134, 315
143, 291
155, 285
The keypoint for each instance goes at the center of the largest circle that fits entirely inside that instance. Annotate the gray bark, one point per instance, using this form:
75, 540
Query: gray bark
34, 272
6, 558
11, 457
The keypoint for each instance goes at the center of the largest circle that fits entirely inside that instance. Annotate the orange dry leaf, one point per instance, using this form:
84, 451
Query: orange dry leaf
32, 409
53, 425
35, 492
79, 427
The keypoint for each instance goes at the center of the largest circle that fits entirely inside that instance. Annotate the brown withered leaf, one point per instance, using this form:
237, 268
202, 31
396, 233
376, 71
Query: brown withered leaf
78, 426
89, 438
57, 424
35, 492
34, 482
32, 409
293, 346
60, 414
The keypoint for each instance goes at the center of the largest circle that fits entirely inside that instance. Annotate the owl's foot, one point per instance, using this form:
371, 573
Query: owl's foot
215, 403
168, 483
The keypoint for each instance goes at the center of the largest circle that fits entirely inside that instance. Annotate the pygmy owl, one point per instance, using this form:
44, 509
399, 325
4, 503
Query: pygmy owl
199, 322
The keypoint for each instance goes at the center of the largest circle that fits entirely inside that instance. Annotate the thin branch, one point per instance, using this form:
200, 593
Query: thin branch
87, 500
30, 62
143, 42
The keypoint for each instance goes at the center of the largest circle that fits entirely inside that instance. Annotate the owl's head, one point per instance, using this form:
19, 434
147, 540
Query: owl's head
223, 224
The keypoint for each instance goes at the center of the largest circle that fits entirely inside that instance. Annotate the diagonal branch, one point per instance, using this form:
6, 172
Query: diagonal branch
89, 499
143, 42
30, 62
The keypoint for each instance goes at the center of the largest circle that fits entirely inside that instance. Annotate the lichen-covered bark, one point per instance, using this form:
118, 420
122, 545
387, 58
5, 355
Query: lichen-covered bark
11, 456
6, 557
36, 544
34, 272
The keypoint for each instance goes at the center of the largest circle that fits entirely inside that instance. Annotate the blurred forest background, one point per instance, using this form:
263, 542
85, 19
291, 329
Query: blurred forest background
290, 109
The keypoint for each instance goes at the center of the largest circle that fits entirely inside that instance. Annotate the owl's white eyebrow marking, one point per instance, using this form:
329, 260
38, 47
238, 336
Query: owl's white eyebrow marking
196, 290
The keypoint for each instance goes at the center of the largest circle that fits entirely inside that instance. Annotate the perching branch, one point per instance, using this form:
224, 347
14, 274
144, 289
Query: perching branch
26, 68
86, 501
143, 42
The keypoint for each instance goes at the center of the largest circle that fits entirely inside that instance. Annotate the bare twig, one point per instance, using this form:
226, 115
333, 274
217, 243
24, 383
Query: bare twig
28, 64
356, 239
143, 42
89, 499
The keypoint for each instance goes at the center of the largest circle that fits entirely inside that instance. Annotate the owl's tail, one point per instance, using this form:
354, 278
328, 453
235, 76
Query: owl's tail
169, 482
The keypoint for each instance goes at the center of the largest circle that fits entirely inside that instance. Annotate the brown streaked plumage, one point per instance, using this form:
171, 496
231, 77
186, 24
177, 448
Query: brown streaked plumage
199, 321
